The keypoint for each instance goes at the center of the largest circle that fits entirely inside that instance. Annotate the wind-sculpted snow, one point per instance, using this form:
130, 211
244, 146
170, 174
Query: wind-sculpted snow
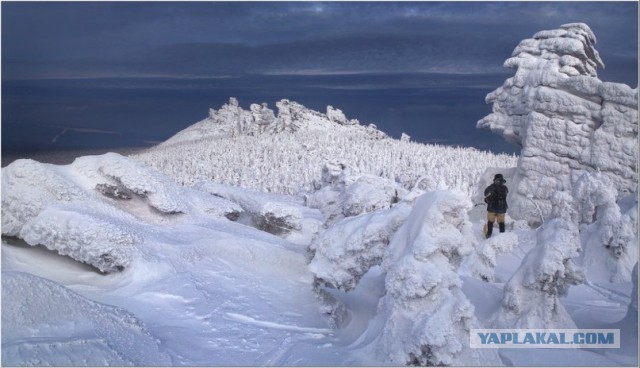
70, 326
91, 210
424, 318
565, 119
531, 296
290, 161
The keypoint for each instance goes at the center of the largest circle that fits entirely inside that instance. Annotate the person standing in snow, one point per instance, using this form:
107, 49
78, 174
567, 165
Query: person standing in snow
496, 198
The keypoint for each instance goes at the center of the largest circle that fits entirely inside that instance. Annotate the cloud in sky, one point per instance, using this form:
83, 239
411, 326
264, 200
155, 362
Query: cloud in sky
204, 39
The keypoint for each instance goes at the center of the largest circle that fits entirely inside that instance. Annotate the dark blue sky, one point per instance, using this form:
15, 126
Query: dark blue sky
126, 73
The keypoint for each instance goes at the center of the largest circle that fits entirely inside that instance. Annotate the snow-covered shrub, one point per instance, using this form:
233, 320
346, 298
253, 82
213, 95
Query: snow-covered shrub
347, 250
339, 194
483, 261
531, 296
565, 119
424, 318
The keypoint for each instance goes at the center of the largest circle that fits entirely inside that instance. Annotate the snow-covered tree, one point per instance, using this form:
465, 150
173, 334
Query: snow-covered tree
531, 296
608, 235
424, 318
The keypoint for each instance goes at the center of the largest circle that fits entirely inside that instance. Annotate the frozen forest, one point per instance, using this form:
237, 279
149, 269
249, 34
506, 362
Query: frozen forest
304, 238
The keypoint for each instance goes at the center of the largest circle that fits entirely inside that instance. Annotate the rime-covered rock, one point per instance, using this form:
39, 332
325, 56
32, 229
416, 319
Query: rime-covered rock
231, 120
92, 209
565, 119
337, 116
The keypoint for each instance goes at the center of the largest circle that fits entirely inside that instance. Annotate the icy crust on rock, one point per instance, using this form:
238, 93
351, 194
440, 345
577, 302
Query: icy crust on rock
104, 335
424, 318
285, 155
92, 209
565, 119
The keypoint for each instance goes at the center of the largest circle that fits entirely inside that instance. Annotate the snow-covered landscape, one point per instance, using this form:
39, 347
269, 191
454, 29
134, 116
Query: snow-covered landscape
302, 238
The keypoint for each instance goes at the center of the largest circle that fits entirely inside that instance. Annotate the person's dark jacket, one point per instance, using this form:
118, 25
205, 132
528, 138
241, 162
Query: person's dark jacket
496, 198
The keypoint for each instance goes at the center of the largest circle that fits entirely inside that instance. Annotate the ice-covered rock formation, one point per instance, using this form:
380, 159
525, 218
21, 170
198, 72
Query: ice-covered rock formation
531, 296
424, 318
565, 119
91, 210
231, 120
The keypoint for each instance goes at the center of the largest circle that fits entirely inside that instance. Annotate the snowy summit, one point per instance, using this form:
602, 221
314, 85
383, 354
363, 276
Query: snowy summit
303, 238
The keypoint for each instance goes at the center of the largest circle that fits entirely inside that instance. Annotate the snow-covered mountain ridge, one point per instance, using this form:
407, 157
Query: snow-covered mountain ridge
285, 154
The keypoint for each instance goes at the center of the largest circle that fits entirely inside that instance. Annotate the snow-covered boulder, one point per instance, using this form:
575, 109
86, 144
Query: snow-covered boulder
91, 210
565, 119
531, 296
424, 318
277, 214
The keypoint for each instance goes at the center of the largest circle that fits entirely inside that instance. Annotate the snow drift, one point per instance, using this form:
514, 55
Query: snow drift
75, 326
